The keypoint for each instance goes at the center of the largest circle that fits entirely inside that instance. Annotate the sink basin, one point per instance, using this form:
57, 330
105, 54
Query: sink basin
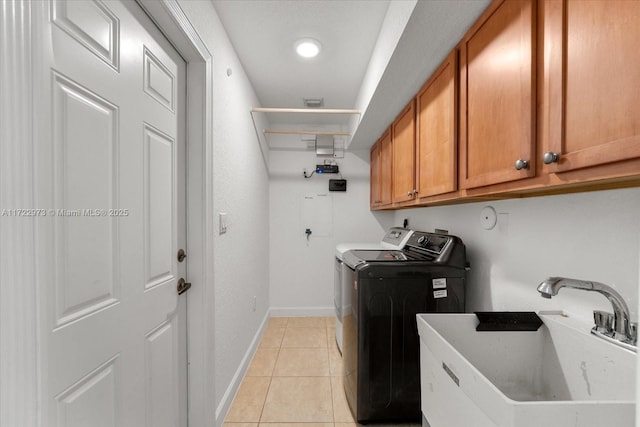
557, 376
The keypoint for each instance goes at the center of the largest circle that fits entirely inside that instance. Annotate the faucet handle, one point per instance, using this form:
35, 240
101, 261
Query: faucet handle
604, 321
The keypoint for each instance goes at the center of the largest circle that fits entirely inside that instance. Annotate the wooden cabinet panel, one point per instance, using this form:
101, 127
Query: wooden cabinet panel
497, 114
592, 76
380, 176
374, 177
385, 168
436, 145
403, 141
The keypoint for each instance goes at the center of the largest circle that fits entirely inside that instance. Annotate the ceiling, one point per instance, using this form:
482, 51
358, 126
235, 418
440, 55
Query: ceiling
263, 33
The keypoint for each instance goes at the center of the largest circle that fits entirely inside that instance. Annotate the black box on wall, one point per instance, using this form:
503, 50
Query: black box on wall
337, 185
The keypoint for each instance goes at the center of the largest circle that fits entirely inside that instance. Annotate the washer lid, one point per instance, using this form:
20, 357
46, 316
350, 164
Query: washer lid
395, 238
341, 248
383, 255
354, 258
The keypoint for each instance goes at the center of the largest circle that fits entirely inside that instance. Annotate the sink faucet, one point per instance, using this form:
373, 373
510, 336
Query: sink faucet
622, 326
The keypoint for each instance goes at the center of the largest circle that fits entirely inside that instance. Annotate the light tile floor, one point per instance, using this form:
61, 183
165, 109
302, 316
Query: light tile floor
294, 378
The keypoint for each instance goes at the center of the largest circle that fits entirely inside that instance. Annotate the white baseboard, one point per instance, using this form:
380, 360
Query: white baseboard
232, 389
303, 311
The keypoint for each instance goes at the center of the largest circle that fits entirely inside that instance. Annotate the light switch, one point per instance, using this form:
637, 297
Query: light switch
223, 222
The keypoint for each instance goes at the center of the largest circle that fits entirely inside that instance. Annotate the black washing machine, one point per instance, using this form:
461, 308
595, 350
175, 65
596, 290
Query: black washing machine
381, 352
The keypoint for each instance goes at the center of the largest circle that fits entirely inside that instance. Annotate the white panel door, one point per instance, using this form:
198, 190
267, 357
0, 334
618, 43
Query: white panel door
112, 176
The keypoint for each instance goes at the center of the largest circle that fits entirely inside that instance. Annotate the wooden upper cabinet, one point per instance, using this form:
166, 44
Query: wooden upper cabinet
497, 95
436, 129
544, 97
591, 82
381, 172
403, 142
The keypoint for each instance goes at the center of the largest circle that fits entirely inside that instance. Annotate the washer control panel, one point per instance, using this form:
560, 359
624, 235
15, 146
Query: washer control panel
397, 236
429, 243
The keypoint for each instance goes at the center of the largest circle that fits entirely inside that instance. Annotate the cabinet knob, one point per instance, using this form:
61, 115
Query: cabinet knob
522, 164
412, 193
550, 157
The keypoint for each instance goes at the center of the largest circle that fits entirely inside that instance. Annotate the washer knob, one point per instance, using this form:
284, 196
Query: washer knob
422, 240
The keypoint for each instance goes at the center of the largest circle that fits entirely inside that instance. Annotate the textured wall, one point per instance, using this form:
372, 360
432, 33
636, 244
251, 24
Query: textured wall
301, 275
592, 236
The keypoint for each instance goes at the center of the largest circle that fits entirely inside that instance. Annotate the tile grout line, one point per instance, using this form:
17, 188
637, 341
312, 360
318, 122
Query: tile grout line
333, 406
264, 403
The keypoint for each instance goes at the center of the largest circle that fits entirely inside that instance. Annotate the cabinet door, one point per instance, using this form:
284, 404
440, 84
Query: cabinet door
381, 172
437, 144
385, 168
497, 60
374, 176
592, 81
403, 144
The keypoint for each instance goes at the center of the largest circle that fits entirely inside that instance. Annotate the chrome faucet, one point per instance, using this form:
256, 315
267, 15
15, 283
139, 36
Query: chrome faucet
623, 330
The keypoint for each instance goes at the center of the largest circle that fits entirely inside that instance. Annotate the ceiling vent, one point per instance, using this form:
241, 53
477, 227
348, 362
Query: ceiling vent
314, 102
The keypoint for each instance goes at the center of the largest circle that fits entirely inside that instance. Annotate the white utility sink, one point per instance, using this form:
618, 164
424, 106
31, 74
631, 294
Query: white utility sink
557, 376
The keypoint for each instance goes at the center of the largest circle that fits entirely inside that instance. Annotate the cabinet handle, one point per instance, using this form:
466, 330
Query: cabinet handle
550, 157
522, 164
412, 193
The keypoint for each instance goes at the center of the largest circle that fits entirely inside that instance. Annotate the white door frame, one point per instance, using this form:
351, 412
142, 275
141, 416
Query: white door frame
21, 352
18, 293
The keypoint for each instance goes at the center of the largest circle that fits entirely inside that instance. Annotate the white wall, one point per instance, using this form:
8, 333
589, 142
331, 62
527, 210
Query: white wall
240, 187
592, 236
301, 273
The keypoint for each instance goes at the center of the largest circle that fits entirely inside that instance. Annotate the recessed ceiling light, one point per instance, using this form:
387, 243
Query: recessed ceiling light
307, 48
